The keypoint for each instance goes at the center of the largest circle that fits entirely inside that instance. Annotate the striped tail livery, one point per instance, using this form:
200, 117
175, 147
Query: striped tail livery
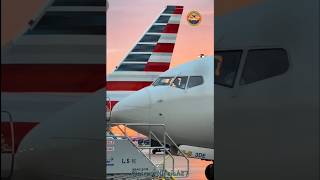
150, 57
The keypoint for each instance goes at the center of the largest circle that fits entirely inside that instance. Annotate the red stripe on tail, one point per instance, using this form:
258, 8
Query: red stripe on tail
157, 66
171, 28
178, 10
164, 47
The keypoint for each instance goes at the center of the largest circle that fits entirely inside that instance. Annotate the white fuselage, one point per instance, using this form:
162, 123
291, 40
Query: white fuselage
185, 110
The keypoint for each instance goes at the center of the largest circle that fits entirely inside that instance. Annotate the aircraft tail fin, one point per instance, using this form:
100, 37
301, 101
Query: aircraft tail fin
149, 57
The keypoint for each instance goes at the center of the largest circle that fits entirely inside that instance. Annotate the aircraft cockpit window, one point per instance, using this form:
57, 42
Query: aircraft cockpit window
226, 65
195, 81
264, 63
163, 81
180, 82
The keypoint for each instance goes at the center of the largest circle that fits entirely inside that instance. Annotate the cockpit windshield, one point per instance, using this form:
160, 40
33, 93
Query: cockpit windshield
180, 82
163, 81
226, 66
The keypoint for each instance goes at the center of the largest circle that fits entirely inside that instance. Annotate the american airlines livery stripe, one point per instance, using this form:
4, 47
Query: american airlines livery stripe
149, 57
164, 47
157, 66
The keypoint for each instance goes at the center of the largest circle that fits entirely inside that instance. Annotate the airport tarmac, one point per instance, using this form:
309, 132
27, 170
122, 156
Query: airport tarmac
197, 168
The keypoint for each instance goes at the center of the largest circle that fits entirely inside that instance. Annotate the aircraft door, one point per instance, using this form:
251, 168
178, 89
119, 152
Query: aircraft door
7, 144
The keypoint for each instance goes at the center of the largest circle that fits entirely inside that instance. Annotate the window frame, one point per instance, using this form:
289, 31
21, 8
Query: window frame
186, 85
238, 68
261, 49
243, 61
189, 77
171, 77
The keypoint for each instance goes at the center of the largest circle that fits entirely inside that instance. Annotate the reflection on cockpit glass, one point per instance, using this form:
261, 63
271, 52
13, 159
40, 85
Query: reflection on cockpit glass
226, 65
163, 81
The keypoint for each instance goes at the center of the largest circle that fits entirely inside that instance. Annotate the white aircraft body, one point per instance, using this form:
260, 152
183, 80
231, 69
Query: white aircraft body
182, 99
179, 97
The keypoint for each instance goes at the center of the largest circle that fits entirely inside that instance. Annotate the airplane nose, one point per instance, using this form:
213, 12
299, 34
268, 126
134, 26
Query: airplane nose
132, 109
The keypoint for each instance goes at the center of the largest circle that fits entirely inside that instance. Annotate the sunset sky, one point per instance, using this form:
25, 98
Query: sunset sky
128, 20
15, 15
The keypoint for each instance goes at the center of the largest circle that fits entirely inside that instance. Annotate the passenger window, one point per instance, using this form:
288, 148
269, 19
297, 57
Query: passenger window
226, 65
264, 63
195, 81
180, 82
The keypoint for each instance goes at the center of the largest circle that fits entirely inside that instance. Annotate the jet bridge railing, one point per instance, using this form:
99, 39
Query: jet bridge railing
152, 136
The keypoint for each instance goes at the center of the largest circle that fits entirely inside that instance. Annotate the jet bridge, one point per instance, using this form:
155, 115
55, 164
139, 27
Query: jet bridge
127, 159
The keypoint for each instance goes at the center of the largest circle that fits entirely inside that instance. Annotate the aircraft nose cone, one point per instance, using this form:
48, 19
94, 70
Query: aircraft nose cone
132, 109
